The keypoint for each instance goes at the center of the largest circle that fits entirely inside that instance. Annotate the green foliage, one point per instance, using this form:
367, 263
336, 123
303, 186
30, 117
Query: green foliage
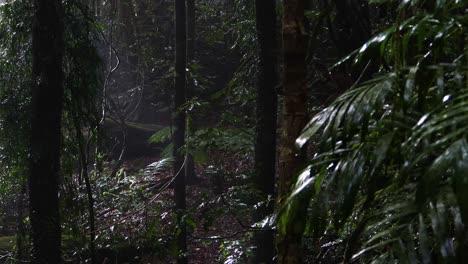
240, 89
209, 139
15, 83
389, 175
83, 77
224, 139
15, 72
240, 38
124, 205
162, 136
159, 166
83, 70
7, 244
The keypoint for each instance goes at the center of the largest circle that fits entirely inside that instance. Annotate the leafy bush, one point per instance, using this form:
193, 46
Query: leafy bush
390, 173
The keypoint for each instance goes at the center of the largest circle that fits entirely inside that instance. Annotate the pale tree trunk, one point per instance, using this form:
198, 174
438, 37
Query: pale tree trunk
179, 122
47, 104
289, 243
266, 115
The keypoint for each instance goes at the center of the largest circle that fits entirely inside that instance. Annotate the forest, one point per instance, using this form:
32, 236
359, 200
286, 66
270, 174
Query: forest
233, 131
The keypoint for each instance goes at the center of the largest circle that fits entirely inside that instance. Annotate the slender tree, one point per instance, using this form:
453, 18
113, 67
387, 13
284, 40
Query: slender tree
289, 238
179, 121
47, 104
266, 109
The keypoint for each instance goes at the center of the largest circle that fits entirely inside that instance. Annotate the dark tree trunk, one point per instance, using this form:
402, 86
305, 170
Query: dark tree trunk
289, 243
179, 122
190, 166
47, 104
266, 114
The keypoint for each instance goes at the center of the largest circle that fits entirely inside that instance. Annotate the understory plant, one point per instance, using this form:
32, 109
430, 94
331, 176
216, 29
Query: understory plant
388, 180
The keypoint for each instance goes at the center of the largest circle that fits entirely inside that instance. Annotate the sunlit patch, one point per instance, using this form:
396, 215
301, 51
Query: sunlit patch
423, 119
446, 98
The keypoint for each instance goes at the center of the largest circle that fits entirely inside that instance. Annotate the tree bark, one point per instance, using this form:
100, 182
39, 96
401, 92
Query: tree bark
289, 243
47, 104
266, 115
179, 122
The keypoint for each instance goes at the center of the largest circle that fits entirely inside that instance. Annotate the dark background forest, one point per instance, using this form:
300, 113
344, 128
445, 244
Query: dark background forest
233, 131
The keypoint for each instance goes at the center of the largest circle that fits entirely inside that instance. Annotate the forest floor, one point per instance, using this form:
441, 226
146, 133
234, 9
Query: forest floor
216, 232
217, 228
206, 245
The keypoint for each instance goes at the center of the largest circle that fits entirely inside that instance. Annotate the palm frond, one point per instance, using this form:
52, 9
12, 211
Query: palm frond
390, 171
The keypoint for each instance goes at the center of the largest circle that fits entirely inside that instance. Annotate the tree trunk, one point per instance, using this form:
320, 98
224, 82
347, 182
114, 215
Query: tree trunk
179, 122
190, 166
289, 243
266, 114
47, 104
